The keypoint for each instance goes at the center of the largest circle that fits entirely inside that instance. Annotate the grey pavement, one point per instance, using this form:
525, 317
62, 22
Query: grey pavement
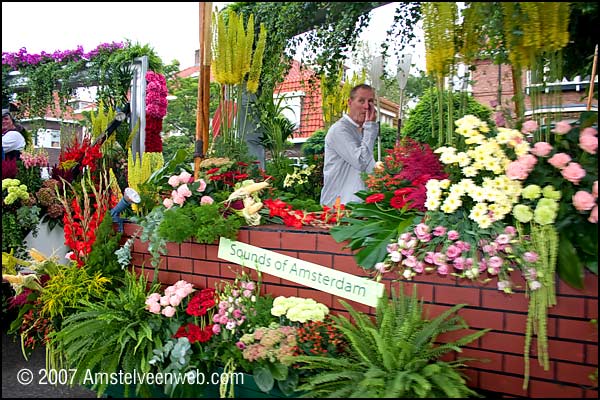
13, 369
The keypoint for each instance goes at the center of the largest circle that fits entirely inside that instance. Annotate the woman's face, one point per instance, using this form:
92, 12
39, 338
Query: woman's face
7, 123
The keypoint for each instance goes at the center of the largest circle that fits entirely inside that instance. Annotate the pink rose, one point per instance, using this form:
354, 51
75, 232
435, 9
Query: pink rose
177, 198
588, 143
174, 181
541, 149
168, 203
202, 185
422, 232
562, 127
206, 200
529, 126
559, 160
154, 308
589, 132
573, 173
593, 218
517, 171
584, 201
184, 177
184, 190
528, 160
168, 311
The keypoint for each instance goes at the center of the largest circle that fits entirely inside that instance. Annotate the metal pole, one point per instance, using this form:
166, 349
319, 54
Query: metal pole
591, 91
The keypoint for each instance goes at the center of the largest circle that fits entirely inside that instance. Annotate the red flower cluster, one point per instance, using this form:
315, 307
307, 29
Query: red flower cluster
319, 338
194, 333
231, 177
202, 301
407, 168
80, 234
298, 218
80, 155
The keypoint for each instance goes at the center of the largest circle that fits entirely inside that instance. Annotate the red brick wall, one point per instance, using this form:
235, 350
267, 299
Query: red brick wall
486, 81
573, 340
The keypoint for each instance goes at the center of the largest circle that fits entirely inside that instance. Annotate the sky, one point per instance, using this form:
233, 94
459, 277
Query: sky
171, 29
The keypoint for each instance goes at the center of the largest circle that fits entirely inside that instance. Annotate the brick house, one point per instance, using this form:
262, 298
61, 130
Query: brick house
489, 80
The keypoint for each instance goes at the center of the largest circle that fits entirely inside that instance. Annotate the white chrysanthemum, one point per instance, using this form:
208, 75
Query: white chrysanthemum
451, 204
432, 204
445, 183
469, 171
432, 184
463, 159
478, 194
522, 148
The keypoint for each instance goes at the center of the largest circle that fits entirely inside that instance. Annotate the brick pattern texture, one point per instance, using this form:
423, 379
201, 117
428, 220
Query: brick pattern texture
573, 339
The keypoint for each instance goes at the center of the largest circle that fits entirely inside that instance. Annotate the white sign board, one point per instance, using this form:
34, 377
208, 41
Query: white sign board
338, 283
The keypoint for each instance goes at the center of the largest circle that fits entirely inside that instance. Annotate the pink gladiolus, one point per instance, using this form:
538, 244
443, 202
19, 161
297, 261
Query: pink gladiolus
562, 127
584, 201
588, 143
593, 218
541, 149
559, 160
573, 173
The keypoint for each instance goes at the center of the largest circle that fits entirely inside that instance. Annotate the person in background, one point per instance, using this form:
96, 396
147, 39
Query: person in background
349, 148
13, 141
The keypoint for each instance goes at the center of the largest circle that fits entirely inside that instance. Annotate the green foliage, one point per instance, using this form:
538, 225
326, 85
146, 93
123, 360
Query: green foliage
111, 336
204, 222
421, 124
67, 287
315, 144
396, 356
102, 258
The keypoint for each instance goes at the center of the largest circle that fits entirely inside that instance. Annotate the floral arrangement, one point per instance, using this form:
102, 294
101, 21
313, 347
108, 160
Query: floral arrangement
47, 197
561, 191
156, 109
320, 338
283, 212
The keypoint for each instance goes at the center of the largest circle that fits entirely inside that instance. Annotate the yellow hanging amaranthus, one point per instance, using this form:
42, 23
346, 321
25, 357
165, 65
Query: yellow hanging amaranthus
531, 29
439, 30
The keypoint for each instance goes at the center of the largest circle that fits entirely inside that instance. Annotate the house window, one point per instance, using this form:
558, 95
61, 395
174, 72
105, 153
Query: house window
47, 138
291, 103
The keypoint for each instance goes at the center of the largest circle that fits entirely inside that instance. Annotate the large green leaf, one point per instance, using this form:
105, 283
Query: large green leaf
569, 266
263, 378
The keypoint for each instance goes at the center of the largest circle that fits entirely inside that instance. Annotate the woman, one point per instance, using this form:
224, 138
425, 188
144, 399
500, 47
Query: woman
13, 140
